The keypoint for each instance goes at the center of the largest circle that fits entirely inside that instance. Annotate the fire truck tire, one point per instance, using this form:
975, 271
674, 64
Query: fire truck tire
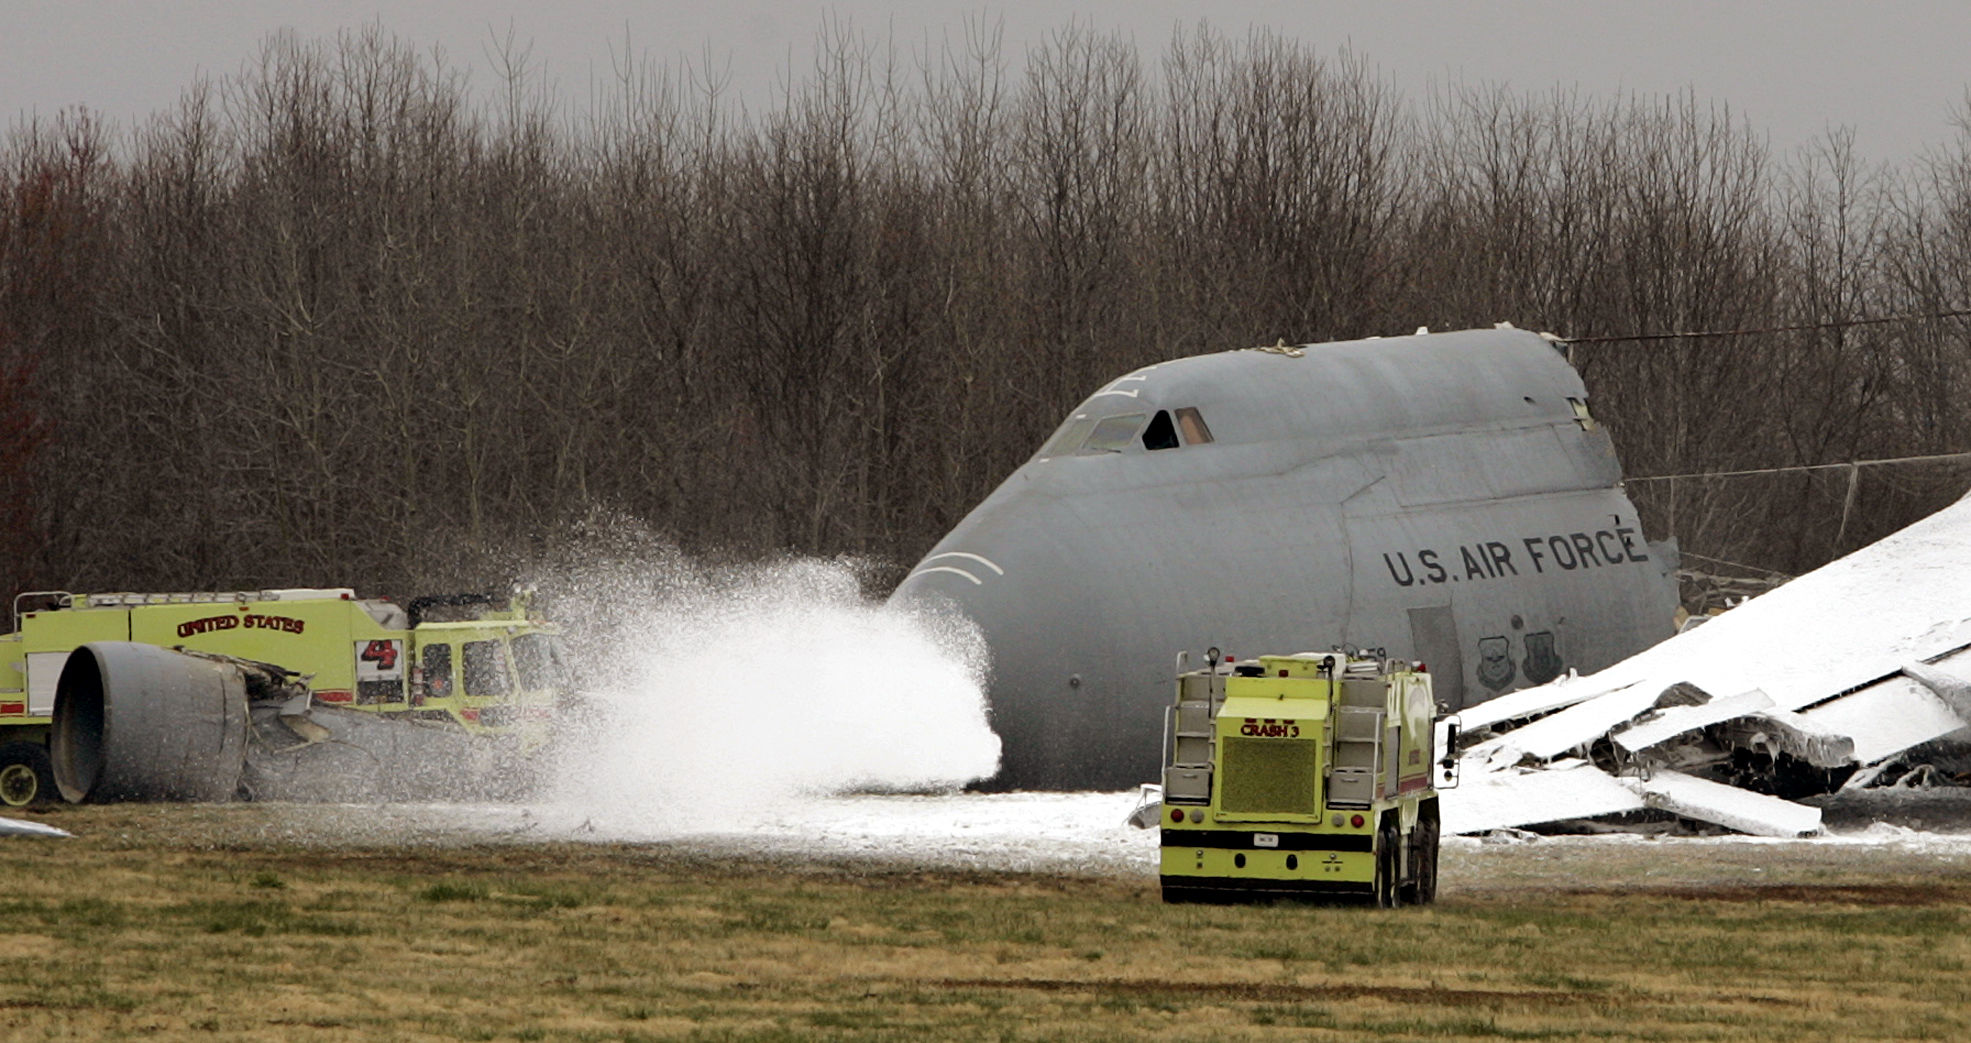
1422, 888
138, 722
1389, 864
27, 776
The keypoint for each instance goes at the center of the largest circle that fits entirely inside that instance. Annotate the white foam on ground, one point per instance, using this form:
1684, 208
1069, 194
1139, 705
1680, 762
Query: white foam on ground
733, 697
1080, 833
1016, 832
1076, 833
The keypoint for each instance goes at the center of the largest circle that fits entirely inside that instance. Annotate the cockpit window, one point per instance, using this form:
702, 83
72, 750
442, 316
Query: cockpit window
1113, 434
1085, 435
1070, 436
1191, 422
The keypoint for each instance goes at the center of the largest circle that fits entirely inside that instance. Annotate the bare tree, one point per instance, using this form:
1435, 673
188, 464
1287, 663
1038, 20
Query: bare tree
341, 319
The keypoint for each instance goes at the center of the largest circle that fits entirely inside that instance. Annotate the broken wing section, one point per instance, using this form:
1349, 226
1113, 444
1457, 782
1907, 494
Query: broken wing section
1815, 685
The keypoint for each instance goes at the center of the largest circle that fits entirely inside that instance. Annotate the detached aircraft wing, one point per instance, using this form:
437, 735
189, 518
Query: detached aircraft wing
1791, 693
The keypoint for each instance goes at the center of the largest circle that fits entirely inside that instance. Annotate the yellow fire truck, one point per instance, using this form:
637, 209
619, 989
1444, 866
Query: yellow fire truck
1303, 775
473, 663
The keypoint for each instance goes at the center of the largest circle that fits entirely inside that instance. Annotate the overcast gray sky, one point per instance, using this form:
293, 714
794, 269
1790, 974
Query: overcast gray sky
1893, 70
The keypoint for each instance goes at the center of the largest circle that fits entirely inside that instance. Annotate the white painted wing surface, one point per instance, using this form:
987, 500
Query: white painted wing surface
1727, 806
1886, 718
1488, 800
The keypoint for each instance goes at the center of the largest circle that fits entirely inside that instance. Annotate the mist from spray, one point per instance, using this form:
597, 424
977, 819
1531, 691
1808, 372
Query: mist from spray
720, 697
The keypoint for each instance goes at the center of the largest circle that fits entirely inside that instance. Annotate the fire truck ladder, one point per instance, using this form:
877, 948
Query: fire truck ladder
1356, 738
1188, 736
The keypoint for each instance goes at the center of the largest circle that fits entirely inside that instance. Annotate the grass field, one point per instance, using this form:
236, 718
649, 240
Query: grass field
215, 923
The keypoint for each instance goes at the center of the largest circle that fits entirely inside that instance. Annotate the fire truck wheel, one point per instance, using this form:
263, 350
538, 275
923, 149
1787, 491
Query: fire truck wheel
26, 775
1422, 889
1389, 864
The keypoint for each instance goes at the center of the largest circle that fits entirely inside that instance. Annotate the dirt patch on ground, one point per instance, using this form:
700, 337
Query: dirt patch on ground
1268, 992
1871, 895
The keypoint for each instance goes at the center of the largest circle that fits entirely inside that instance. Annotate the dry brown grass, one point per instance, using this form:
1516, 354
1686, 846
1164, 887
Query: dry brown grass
217, 923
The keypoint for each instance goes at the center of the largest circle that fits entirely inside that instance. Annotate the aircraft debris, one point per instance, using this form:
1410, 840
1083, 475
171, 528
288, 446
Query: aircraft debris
1772, 733
1570, 788
1727, 806
15, 827
1821, 683
1652, 730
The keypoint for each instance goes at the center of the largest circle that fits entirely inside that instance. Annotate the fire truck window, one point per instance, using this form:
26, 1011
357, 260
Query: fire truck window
1161, 434
438, 670
1113, 434
533, 657
485, 669
564, 665
1191, 422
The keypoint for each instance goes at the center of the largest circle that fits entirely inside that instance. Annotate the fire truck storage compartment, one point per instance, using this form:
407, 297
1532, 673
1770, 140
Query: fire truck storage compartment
1358, 735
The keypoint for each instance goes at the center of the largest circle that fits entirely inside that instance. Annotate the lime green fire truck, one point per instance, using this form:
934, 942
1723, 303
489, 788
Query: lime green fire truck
1305, 775
472, 662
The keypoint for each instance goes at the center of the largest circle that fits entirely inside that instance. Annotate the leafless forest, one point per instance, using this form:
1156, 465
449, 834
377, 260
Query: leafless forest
345, 318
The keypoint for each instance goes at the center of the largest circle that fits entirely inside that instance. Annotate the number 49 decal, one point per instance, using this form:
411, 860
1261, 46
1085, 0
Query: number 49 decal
379, 660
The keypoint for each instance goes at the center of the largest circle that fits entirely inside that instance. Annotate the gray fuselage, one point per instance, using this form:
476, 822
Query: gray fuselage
1443, 496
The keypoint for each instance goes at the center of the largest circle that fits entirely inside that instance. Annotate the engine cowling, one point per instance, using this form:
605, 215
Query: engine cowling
138, 722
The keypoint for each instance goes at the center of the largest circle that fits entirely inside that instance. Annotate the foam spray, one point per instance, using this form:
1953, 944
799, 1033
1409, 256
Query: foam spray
721, 697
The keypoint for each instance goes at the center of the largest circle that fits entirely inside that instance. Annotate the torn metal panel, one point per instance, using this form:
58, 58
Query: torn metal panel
1886, 718
1676, 720
1727, 806
1771, 733
1925, 702
1532, 702
1568, 789
1855, 662
1569, 729
1951, 687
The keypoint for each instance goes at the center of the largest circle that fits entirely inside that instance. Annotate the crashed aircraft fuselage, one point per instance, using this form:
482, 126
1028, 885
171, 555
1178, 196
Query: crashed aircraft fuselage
1446, 497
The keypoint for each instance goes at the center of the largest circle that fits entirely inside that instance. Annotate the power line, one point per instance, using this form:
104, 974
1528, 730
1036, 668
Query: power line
1850, 465
1688, 555
1956, 313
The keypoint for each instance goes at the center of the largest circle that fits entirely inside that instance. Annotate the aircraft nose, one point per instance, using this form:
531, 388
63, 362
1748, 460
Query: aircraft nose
1053, 702
1021, 626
